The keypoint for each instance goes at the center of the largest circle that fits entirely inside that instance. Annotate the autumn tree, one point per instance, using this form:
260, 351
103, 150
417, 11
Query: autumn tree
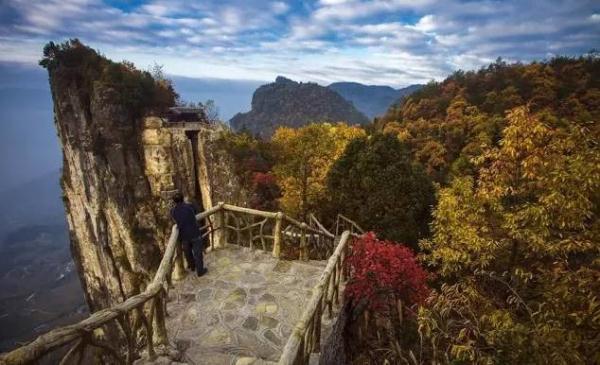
304, 157
447, 124
376, 183
517, 251
386, 284
253, 160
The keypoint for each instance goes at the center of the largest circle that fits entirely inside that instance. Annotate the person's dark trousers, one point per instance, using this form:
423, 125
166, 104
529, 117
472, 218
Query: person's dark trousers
193, 251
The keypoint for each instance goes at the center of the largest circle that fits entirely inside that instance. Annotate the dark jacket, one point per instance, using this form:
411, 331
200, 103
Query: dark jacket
184, 215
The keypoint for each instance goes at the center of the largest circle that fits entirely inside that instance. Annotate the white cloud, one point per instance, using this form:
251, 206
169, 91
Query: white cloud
426, 23
380, 41
279, 7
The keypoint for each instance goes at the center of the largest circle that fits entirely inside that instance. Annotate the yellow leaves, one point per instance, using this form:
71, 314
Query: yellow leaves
304, 157
532, 214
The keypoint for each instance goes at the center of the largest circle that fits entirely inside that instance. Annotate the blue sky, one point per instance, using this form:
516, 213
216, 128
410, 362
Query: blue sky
394, 42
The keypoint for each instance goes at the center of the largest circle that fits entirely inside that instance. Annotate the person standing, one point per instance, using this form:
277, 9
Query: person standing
190, 234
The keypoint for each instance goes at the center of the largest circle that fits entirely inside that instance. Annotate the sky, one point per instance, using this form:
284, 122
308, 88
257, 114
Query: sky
390, 42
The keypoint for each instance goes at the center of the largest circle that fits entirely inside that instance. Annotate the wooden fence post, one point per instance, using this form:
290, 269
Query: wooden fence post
160, 330
303, 244
221, 229
277, 235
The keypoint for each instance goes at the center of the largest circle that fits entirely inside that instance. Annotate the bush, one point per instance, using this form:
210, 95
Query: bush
382, 272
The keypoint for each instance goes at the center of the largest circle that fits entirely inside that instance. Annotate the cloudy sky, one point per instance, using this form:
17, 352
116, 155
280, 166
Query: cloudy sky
395, 42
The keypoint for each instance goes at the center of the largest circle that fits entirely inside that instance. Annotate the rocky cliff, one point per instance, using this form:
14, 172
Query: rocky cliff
121, 163
294, 104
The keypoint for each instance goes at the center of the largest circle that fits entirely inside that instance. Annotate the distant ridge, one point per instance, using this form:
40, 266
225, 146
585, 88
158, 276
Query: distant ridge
372, 100
294, 104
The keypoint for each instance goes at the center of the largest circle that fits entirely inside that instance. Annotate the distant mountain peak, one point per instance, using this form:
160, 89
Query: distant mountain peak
294, 104
284, 80
372, 100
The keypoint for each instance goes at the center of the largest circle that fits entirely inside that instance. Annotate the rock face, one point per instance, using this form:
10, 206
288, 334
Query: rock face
372, 100
294, 104
120, 169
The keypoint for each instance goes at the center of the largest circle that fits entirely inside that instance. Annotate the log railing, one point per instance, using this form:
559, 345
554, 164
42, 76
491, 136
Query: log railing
276, 232
344, 223
306, 335
141, 318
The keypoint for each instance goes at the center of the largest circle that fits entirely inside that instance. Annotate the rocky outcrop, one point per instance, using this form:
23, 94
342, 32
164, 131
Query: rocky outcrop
294, 104
120, 169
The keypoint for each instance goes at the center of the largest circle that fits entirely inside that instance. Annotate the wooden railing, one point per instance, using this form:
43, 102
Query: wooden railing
283, 235
141, 318
306, 336
344, 223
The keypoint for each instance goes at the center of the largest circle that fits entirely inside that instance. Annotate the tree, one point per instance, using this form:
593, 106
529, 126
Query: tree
383, 272
211, 110
386, 285
376, 183
464, 113
517, 250
252, 163
304, 157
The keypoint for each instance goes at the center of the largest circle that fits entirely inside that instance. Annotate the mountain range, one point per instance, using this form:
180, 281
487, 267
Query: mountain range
372, 100
294, 104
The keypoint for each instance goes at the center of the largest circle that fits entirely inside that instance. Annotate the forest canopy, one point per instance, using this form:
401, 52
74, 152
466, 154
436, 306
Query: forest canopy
493, 178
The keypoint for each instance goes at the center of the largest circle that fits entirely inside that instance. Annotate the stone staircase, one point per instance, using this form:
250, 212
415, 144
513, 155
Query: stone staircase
243, 311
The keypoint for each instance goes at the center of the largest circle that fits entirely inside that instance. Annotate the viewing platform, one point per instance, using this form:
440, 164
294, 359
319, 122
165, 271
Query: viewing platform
270, 296
244, 309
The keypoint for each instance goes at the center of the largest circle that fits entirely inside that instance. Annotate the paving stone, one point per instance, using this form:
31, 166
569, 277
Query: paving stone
229, 317
243, 310
251, 323
266, 307
245, 361
282, 266
187, 297
268, 322
269, 335
268, 297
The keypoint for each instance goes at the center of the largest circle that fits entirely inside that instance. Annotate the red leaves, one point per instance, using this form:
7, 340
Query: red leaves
263, 179
265, 191
383, 271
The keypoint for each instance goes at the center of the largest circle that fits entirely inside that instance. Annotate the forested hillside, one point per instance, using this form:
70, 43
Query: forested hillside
492, 177
446, 124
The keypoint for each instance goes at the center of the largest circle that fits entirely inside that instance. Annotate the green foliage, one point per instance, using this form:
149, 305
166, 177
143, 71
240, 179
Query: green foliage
73, 64
376, 183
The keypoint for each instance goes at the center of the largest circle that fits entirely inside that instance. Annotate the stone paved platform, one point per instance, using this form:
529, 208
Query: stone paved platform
245, 307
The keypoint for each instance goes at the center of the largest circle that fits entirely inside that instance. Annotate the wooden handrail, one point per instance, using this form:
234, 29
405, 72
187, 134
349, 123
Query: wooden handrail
319, 225
352, 223
265, 214
82, 332
60, 336
256, 212
305, 335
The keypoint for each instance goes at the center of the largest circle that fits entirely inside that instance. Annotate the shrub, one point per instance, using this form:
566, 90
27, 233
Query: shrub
382, 272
